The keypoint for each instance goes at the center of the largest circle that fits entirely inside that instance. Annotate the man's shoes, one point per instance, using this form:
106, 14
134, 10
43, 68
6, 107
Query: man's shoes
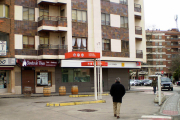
118, 117
114, 115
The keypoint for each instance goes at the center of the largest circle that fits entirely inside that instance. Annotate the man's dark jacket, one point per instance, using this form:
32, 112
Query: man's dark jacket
117, 92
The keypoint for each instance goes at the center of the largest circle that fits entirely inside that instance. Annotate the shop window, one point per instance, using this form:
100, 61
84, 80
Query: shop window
44, 79
124, 22
4, 79
124, 46
28, 14
5, 37
105, 19
79, 16
4, 11
79, 43
106, 45
28, 42
75, 75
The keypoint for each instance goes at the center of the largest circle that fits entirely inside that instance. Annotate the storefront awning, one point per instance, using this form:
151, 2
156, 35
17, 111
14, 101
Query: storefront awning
82, 55
6, 67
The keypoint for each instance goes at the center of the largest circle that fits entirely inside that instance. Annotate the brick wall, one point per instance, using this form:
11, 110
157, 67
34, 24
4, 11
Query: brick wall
79, 4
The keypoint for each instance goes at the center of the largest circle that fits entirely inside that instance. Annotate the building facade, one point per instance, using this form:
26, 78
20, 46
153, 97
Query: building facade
161, 47
44, 30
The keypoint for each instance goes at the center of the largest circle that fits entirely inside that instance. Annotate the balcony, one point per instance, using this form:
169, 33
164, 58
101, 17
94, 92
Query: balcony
43, 50
54, 23
83, 49
56, 2
138, 30
139, 54
137, 7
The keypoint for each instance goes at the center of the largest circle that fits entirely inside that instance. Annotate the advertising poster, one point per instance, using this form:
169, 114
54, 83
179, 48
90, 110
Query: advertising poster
44, 78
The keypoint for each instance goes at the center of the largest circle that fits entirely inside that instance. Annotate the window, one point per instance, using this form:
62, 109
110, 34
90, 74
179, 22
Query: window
44, 40
106, 44
124, 2
160, 56
160, 36
156, 36
44, 11
79, 43
79, 16
124, 21
168, 43
105, 19
157, 56
4, 11
168, 37
161, 68
75, 75
28, 14
169, 56
156, 49
5, 37
160, 43
157, 63
157, 68
156, 43
160, 49
124, 46
161, 63
44, 79
28, 42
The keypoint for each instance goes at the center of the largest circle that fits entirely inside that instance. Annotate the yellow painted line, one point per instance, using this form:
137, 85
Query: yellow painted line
56, 104
80, 103
51, 104
83, 95
91, 95
47, 104
67, 104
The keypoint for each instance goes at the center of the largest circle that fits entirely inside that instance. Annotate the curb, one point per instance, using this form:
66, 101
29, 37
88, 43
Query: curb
87, 95
73, 103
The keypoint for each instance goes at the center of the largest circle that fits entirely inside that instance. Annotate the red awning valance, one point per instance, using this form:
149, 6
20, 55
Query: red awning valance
91, 63
82, 55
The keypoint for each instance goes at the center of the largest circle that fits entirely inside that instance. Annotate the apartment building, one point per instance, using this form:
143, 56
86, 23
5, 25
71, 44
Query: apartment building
161, 47
42, 31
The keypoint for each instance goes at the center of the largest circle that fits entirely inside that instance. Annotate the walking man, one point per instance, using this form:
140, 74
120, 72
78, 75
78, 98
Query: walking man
117, 91
154, 85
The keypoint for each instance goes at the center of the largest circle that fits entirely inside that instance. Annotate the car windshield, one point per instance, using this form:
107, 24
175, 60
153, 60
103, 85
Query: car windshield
165, 79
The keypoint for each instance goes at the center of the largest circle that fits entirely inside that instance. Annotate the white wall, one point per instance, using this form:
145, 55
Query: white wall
115, 20
18, 41
132, 45
138, 45
36, 42
69, 25
138, 22
115, 1
18, 10
36, 14
115, 45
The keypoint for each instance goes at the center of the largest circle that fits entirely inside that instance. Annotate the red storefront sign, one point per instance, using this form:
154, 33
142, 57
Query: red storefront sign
91, 63
138, 63
37, 63
84, 55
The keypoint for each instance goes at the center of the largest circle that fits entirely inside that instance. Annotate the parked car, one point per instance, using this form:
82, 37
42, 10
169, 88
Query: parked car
131, 82
148, 83
166, 83
178, 82
137, 82
145, 80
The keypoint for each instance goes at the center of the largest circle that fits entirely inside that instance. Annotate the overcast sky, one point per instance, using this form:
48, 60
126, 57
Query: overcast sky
161, 13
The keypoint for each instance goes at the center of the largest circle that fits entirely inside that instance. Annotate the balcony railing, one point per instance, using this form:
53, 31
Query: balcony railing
138, 30
75, 48
137, 7
52, 21
172, 38
139, 54
43, 50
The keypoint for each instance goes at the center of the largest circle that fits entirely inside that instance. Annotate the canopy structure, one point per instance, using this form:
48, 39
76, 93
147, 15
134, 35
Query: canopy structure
88, 55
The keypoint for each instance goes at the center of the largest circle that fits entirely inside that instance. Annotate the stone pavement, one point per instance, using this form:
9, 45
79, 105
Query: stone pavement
137, 105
